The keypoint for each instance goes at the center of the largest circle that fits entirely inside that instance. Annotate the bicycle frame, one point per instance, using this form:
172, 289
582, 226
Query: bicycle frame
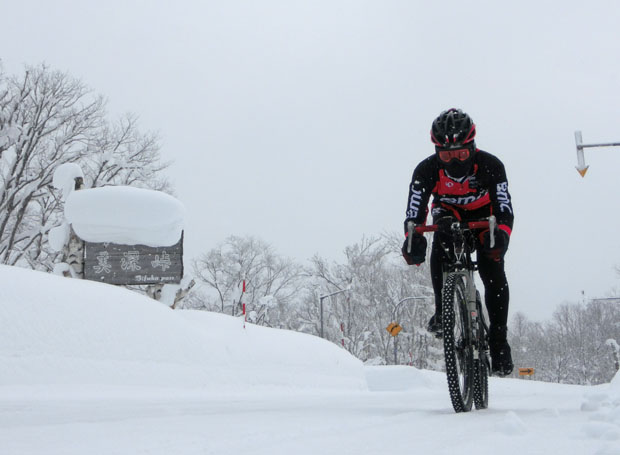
461, 267
462, 262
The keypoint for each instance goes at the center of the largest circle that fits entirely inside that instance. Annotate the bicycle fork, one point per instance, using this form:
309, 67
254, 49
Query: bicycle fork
474, 335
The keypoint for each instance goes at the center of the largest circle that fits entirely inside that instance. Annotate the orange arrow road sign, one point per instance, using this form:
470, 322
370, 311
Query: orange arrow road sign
394, 329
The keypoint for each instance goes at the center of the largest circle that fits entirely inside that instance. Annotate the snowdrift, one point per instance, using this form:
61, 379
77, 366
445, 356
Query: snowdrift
603, 402
60, 331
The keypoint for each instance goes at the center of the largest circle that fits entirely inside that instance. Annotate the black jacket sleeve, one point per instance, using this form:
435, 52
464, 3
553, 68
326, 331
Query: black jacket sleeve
420, 190
495, 180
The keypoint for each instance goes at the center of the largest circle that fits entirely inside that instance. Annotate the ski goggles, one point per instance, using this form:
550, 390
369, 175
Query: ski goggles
448, 155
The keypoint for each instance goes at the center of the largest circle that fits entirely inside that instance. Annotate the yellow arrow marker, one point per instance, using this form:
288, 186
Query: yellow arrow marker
526, 371
583, 171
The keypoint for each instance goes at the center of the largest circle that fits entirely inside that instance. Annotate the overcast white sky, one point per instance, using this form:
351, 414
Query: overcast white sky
301, 121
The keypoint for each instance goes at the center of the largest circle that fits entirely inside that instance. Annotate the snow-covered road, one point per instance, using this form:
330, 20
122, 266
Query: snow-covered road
405, 411
87, 368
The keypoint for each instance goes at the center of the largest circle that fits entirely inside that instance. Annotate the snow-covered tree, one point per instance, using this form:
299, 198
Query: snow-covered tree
573, 347
48, 118
125, 156
272, 283
379, 282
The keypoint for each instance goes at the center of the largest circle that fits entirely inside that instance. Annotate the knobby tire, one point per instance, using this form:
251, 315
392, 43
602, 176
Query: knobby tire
458, 350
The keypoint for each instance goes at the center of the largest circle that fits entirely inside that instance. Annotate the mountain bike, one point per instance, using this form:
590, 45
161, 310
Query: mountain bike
465, 330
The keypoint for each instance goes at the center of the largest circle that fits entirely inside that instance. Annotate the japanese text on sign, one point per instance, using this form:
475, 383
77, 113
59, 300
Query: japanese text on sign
133, 264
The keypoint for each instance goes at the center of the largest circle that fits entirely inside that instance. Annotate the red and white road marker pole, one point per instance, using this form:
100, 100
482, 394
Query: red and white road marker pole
244, 315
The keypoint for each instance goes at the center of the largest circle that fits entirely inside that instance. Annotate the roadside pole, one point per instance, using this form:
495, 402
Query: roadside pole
581, 160
323, 297
394, 328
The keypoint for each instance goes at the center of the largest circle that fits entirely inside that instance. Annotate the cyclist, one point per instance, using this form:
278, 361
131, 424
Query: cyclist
466, 184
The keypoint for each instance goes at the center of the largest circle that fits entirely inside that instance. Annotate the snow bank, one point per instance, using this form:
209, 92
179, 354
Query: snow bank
125, 215
59, 331
604, 403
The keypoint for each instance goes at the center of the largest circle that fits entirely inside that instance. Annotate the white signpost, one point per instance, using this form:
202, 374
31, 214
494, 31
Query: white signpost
581, 161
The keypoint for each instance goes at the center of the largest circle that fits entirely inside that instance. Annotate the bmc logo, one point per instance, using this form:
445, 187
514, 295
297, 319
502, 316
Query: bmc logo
414, 203
503, 198
463, 200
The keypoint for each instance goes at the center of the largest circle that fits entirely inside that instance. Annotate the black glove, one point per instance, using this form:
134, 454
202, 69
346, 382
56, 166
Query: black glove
501, 244
418, 249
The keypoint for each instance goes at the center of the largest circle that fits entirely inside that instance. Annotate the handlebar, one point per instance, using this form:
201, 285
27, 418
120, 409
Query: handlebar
489, 223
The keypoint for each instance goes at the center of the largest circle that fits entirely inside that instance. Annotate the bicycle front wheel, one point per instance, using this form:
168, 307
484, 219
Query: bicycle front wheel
458, 349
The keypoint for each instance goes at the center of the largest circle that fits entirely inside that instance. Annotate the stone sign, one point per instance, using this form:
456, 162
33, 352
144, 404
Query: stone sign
133, 264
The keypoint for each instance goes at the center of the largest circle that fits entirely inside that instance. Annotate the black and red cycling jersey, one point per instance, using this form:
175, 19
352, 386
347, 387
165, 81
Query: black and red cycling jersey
483, 192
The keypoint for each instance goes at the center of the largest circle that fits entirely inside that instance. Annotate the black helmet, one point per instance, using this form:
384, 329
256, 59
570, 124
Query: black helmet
453, 134
453, 128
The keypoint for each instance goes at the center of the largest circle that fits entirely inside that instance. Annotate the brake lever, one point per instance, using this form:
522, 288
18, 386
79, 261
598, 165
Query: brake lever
410, 228
492, 227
